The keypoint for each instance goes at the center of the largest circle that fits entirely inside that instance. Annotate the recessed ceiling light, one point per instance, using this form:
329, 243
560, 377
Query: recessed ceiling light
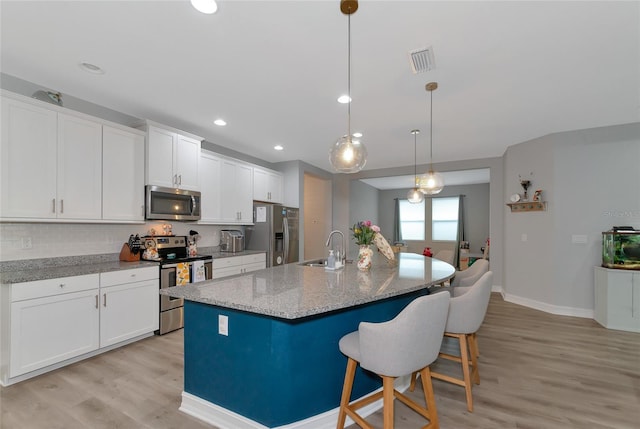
220, 122
357, 135
344, 99
278, 147
205, 6
91, 68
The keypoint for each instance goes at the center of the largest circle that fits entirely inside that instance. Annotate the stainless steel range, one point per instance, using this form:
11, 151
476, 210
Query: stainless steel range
176, 269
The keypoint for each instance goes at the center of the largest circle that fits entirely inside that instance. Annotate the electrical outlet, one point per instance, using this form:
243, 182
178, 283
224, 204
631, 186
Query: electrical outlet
26, 243
223, 325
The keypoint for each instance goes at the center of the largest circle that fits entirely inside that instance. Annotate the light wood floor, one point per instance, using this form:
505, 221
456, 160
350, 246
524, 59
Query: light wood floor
537, 371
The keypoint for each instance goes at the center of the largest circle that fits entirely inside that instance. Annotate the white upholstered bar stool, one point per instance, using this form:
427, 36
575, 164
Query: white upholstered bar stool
468, 277
408, 343
466, 314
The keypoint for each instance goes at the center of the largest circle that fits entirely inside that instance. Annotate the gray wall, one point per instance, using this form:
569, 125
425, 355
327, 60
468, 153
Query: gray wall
476, 207
591, 182
364, 203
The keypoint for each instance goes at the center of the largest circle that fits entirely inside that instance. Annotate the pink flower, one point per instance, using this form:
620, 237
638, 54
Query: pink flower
375, 228
367, 222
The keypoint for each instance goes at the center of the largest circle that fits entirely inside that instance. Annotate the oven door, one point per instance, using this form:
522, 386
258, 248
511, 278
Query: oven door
168, 275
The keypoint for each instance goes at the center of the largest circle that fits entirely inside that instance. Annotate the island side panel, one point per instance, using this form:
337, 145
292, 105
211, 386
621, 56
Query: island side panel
276, 371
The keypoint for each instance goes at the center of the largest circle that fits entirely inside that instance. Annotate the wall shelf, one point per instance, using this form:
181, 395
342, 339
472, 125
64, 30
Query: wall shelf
528, 206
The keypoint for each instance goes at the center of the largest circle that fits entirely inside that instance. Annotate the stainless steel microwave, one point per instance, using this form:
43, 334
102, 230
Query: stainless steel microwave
171, 204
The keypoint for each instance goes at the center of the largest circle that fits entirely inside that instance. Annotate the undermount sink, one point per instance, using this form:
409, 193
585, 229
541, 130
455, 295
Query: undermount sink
314, 263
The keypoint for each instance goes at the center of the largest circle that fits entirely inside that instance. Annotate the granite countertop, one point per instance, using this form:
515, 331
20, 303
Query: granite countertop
295, 291
29, 274
29, 270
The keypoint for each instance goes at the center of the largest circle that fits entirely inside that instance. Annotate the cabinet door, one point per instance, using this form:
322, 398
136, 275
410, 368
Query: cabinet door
79, 168
244, 193
228, 197
123, 175
210, 169
128, 310
260, 185
219, 273
187, 163
160, 158
28, 160
45, 331
275, 188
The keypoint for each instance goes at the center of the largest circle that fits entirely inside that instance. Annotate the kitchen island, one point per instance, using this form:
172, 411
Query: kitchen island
261, 350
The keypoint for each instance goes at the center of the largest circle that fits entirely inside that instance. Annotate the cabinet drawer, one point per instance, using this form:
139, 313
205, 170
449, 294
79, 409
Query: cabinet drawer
252, 259
129, 276
51, 287
227, 262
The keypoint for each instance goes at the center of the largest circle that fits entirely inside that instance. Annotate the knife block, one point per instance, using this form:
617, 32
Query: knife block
126, 255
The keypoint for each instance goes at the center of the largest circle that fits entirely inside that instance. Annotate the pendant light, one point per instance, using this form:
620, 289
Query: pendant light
415, 195
432, 183
348, 155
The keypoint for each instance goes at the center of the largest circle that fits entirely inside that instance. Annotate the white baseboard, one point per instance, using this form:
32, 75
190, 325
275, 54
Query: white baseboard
549, 308
225, 419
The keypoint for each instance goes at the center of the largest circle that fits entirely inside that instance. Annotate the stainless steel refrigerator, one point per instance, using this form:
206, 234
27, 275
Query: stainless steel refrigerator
274, 230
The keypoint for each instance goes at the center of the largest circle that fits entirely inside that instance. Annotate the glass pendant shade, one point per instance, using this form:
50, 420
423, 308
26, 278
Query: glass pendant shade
431, 183
348, 155
415, 196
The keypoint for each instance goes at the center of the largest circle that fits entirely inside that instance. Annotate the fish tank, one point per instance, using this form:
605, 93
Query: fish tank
621, 248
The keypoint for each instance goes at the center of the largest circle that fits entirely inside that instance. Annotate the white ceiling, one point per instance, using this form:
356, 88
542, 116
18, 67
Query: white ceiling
508, 71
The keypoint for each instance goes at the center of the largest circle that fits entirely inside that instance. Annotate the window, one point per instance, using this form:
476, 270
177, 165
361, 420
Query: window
411, 220
444, 218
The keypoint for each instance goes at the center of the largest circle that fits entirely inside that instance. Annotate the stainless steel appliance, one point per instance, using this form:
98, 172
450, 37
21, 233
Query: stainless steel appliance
231, 240
171, 204
174, 263
275, 231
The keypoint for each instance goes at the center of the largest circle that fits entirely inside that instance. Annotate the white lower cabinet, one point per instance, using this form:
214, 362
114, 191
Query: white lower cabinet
617, 299
47, 322
129, 304
45, 331
225, 267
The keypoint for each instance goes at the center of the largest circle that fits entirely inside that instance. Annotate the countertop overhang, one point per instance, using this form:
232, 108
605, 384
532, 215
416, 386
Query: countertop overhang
295, 291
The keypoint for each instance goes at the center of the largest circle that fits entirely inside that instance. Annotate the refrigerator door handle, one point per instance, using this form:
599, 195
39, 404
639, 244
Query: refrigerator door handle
285, 229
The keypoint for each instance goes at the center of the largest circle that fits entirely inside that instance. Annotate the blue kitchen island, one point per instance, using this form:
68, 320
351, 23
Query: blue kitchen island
261, 349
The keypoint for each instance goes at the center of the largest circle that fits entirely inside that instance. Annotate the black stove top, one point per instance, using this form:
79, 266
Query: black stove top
177, 259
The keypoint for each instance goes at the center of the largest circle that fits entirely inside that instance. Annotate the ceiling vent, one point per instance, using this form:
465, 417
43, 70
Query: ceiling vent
421, 60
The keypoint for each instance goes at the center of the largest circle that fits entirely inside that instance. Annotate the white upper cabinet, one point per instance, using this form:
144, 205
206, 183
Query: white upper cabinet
123, 175
210, 202
28, 160
173, 157
236, 184
54, 167
267, 185
79, 168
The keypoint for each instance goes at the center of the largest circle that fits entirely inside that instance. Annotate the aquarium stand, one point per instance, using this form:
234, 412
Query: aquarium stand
528, 206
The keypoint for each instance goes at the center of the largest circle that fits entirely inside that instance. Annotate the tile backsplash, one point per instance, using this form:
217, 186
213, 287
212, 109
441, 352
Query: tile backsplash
49, 240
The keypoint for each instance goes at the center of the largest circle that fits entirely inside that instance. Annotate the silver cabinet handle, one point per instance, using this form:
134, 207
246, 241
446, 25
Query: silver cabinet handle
96, 301
180, 179
142, 210
105, 299
61, 206
175, 179
53, 201
62, 285
133, 275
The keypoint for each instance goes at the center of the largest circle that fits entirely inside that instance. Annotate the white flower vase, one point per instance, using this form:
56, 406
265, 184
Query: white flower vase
364, 257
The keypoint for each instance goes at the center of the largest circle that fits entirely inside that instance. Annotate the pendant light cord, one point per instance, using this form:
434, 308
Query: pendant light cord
431, 134
415, 157
349, 75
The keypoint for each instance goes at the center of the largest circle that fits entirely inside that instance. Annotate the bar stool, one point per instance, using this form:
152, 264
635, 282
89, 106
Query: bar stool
466, 314
408, 343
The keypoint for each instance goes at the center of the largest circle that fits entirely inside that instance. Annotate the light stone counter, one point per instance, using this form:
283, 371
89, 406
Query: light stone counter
294, 291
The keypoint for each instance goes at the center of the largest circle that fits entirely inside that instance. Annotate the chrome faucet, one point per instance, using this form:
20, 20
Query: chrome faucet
343, 257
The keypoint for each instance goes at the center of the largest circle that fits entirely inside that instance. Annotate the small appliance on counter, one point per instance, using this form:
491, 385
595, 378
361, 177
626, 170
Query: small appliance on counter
231, 240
